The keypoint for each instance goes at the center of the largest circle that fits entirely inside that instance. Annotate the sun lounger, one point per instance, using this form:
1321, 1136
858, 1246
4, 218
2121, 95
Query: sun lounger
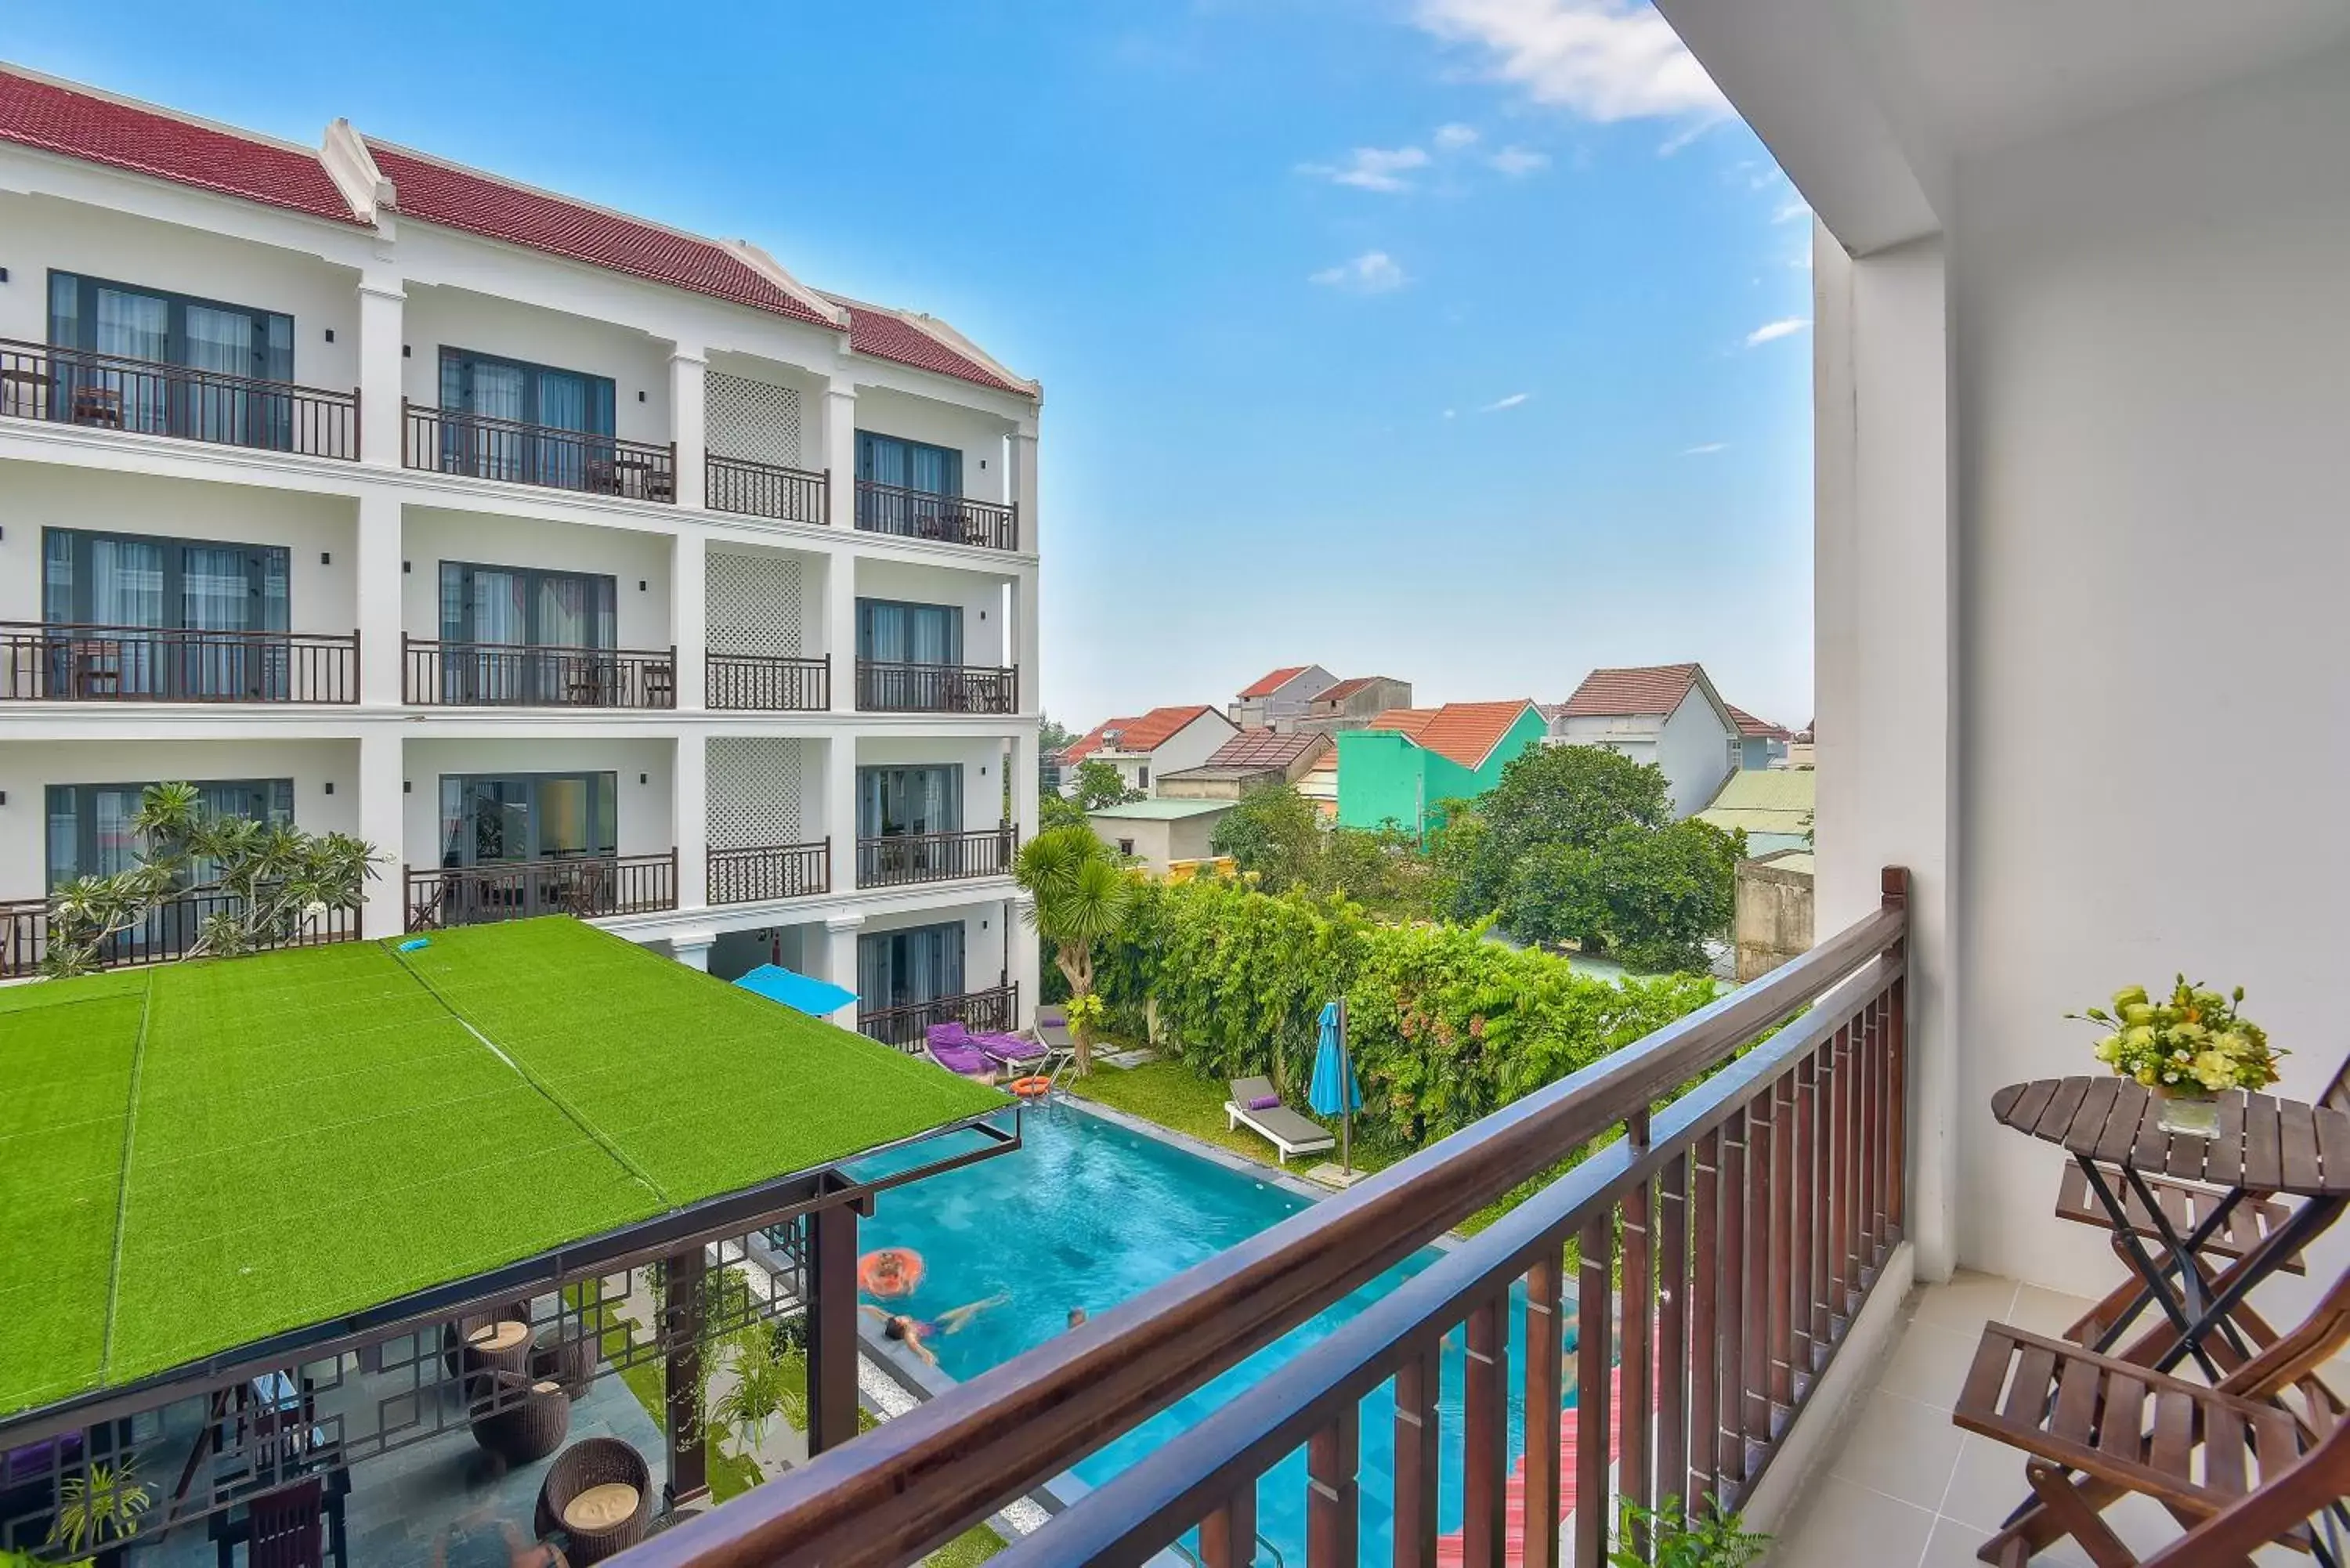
1288, 1132
952, 1047
1013, 1053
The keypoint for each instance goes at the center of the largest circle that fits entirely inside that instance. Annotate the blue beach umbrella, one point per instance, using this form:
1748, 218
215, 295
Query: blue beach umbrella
817, 998
1335, 1092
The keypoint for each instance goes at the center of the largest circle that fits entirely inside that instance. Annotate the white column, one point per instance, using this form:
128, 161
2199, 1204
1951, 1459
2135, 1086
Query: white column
1026, 958
689, 426
1029, 638
1885, 583
375, 572
690, 798
840, 452
382, 310
689, 618
841, 628
840, 961
382, 814
1020, 758
1022, 481
691, 948
840, 809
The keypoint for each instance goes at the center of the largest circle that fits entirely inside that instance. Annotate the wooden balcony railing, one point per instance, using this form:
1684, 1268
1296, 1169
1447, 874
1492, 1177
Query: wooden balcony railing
168, 933
903, 858
736, 683
936, 688
995, 1009
921, 514
55, 661
445, 441
524, 675
1749, 1215
765, 490
769, 872
146, 396
586, 885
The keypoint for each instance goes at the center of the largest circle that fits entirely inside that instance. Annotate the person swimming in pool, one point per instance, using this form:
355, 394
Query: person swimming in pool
914, 1332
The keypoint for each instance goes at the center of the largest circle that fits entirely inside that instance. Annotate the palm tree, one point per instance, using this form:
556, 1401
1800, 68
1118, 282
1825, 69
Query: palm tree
1080, 897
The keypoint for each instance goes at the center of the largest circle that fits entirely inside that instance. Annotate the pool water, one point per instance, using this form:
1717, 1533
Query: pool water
1088, 1214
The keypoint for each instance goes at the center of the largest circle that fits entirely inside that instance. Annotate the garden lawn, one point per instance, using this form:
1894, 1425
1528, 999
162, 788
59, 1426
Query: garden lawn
197, 1156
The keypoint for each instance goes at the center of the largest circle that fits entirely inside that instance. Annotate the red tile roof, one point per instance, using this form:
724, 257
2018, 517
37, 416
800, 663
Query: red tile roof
887, 335
1646, 689
1087, 745
495, 209
1467, 732
1346, 689
1265, 748
1752, 727
1267, 685
99, 129
1409, 721
1147, 732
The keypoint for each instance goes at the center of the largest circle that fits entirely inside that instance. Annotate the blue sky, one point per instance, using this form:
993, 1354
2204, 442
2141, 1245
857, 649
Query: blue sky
1458, 341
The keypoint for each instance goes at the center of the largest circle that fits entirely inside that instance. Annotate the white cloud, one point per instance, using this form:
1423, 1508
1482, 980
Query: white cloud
1371, 168
1772, 331
1705, 449
1684, 136
1791, 212
1452, 413
1515, 161
1373, 271
1604, 59
1512, 401
1450, 137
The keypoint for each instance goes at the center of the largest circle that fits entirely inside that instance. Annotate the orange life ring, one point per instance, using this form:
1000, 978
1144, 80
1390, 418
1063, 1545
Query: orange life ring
890, 1272
1030, 1088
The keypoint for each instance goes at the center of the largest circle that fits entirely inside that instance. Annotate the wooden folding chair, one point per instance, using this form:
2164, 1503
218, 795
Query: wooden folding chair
2126, 1428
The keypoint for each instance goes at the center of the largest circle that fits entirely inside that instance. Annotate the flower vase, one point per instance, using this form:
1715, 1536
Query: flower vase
2189, 1113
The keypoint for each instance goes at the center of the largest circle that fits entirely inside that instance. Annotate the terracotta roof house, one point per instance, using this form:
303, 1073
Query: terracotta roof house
1353, 703
1143, 747
1399, 769
1665, 715
1250, 760
1761, 744
1277, 699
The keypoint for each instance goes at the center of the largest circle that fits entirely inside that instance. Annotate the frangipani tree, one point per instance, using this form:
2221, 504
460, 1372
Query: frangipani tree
1081, 898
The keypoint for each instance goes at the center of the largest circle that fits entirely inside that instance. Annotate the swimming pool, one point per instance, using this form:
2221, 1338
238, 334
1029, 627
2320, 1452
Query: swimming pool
1088, 1214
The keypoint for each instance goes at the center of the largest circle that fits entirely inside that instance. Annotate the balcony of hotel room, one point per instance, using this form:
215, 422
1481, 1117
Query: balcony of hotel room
934, 640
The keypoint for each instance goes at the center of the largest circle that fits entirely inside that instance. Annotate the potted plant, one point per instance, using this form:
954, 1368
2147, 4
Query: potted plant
1712, 1539
99, 1509
2187, 1047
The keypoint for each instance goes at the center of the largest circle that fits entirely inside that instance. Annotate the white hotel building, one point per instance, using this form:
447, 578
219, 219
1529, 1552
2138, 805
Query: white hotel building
579, 563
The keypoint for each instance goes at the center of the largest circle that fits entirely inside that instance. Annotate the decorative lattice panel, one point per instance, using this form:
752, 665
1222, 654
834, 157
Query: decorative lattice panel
754, 604
755, 420
755, 792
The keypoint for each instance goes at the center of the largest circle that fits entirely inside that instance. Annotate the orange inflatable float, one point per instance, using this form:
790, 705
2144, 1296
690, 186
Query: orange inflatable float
890, 1272
1030, 1088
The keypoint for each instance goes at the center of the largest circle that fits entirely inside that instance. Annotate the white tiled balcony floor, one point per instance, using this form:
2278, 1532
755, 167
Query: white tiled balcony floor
1905, 1488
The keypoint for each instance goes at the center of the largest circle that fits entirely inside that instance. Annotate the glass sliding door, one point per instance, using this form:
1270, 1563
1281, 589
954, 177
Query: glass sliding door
525, 822
231, 346
917, 486
888, 632
530, 423
102, 590
907, 968
900, 803
92, 833
526, 635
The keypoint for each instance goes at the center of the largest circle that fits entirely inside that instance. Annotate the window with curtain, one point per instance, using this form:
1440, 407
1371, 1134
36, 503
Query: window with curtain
498, 819
896, 802
909, 464
890, 632
900, 968
497, 607
492, 388
89, 825
129, 581
128, 322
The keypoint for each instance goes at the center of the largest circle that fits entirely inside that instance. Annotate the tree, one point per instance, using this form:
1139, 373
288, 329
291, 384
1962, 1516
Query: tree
1381, 868
1079, 898
1053, 737
1651, 897
263, 881
1099, 784
1275, 832
1057, 810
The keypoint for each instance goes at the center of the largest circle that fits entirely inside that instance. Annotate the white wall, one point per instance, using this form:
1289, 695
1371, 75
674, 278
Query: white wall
1693, 749
45, 234
27, 769
431, 535
978, 436
979, 595
643, 811
34, 496
458, 318
1187, 747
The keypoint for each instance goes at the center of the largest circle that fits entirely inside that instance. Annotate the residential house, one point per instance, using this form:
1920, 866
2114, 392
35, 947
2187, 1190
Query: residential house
1248, 761
1760, 743
1353, 703
1278, 698
1320, 783
1772, 805
577, 563
1410, 759
1665, 715
1160, 832
1164, 740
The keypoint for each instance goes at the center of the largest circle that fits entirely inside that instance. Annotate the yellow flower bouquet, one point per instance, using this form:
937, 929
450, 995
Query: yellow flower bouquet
2192, 1043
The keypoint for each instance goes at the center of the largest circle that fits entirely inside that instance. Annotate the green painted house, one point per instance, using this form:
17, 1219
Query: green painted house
1411, 758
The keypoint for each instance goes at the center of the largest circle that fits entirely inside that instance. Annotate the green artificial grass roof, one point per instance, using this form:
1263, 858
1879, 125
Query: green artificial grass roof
194, 1156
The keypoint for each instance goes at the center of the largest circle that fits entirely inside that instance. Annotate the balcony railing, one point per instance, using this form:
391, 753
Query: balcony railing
108, 391
586, 885
167, 933
523, 675
995, 1009
736, 683
903, 858
1724, 1244
55, 662
765, 490
936, 688
445, 441
922, 514
769, 872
